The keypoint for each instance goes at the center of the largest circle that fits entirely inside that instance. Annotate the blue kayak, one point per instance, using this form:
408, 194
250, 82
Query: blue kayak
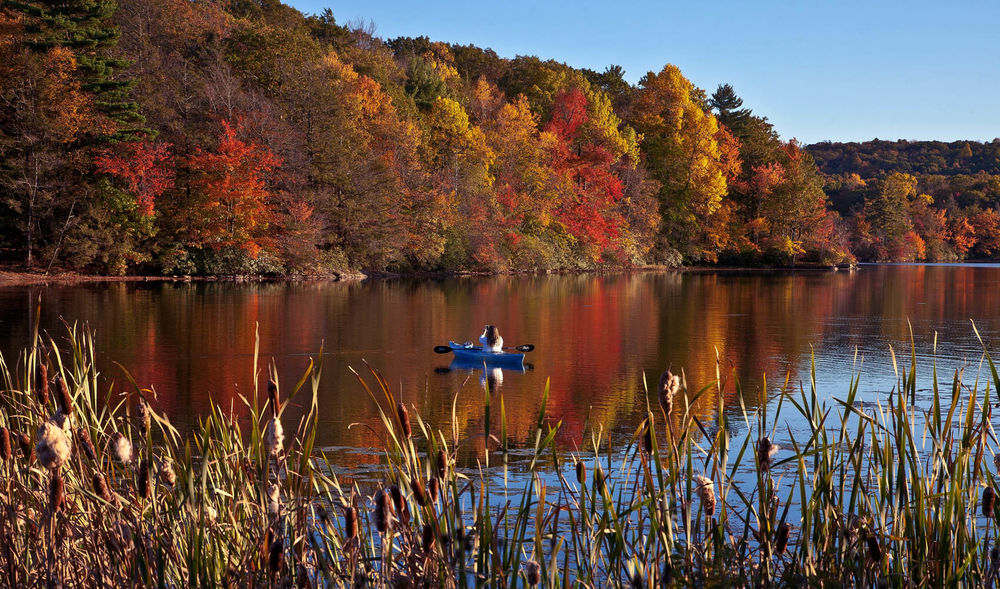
470, 354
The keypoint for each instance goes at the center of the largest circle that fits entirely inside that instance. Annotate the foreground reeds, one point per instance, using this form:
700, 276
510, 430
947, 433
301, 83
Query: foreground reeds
101, 491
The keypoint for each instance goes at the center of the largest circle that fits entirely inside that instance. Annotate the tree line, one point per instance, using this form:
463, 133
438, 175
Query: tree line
243, 137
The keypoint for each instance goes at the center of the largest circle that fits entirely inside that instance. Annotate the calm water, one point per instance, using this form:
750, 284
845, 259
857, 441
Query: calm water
595, 335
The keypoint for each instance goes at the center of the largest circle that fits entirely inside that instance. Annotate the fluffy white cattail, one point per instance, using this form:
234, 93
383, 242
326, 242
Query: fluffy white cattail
54, 444
705, 489
765, 450
121, 448
274, 437
273, 499
670, 385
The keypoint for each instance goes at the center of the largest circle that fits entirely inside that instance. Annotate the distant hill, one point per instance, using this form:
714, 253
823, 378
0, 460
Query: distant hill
878, 158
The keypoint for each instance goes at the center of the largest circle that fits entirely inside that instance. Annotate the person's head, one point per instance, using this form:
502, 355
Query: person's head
492, 334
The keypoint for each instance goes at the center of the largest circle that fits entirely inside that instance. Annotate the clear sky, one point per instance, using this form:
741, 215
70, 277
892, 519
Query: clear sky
818, 69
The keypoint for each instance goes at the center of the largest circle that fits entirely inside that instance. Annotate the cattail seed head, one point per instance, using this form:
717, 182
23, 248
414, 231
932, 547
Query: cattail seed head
142, 482
996, 461
581, 472
442, 465
989, 500
669, 385
273, 499
428, 538
121, 448
782, 540
42, 384
26, 448
65, 399
383, 511
274, 437
874, 550
404, 419
142, 415
399, 503
54, 446
647, 437
57, 490
83, 439
166, 473
351, 522
705, 488
765, 450
101, 487
599, 478
533, 571
5, 449
419, 495
434, 489
275, 559
272, 395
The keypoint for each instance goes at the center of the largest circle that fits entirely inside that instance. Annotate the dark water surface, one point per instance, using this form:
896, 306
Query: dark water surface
596, 335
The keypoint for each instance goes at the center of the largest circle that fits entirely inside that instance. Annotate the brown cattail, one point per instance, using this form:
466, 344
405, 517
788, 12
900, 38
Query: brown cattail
419, 495
101, 487
989, 500
782, 540
42, 384
442, 465
399, 503
428, 538
705, 489
142, 415
57, 490
54, 446
874, 550
142, 482
274, 437
83, 439
599, 478
65, 399
533, 571
5, 450
996, 461
670, 384
26, 448
121, 448
647, 437
581, 472
434, 489
272, 395
765, 450
383, 511
275, 559
404, 419
351, 522
166, 473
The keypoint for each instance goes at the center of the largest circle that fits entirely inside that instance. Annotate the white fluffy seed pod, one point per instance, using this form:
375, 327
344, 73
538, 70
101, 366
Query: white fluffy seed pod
166, 473
273, 499
54, 445
274, 437
706, 491
121, 448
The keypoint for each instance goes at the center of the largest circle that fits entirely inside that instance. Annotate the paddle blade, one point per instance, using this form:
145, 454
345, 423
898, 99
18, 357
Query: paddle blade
441, 349
524, 348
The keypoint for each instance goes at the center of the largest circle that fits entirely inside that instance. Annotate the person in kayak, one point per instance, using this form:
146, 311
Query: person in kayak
491, 340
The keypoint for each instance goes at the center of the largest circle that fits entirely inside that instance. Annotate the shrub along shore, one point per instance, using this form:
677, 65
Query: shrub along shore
100, 491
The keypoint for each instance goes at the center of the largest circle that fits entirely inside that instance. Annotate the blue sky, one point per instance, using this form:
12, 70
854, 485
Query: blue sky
844, 71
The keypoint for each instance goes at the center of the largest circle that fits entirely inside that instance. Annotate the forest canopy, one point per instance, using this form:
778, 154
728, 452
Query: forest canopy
244, 137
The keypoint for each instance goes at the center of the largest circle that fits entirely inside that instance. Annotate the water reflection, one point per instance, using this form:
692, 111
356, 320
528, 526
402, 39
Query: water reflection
595, 337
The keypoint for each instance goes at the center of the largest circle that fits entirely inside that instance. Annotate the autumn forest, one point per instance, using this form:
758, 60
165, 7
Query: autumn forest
243, 137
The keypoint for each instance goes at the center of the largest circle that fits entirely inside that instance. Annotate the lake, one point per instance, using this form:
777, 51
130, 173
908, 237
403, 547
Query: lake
596, 336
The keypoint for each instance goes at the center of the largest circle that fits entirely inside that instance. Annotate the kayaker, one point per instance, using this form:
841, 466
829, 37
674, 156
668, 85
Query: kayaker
491, 340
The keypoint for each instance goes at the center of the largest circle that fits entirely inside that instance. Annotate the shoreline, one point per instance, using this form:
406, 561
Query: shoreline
21, 277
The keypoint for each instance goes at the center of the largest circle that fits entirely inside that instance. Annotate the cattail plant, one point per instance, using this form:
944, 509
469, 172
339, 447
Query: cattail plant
419, 495
27, 450
874, 549
989, 500
142, 415
57, 489
782, 540
65, 399
101, 487
351, 522
142, 480
765, 450
670, 385
442, 465
533, 572
54, 446
427, 538
274, 437
166, 473
705, 489
647, 436
5, 449
272, 395
42, 385
404, 420
85, 443
273, 499
383, 511
121, 448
